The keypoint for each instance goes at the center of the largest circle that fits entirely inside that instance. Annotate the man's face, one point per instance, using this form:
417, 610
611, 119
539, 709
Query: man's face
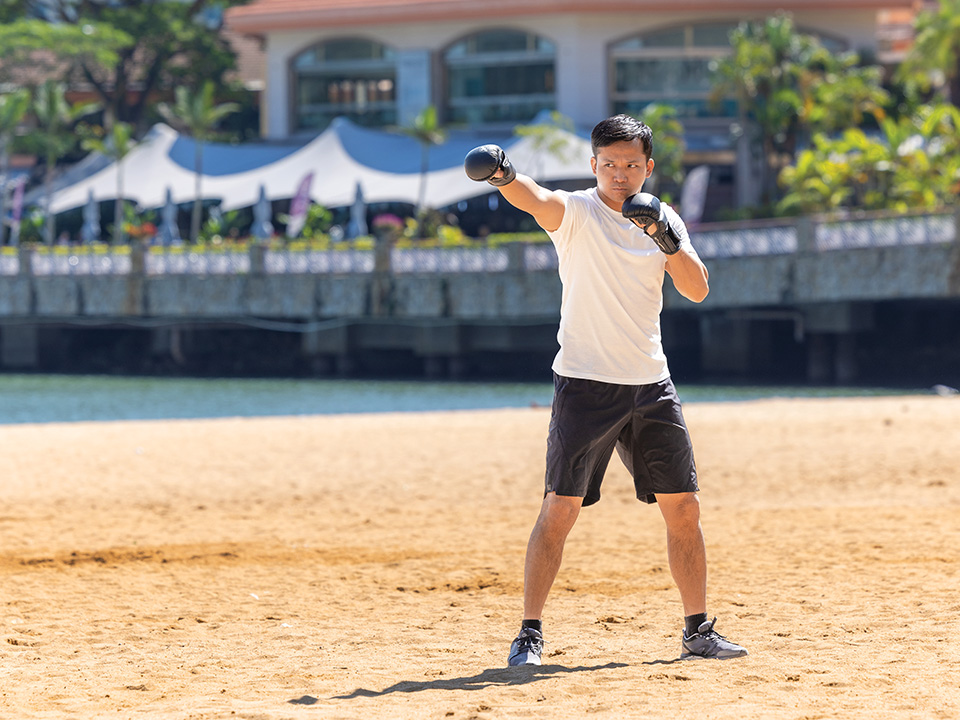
621, 169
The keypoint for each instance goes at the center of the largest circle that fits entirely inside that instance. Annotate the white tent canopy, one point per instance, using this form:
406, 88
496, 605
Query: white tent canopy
388, 172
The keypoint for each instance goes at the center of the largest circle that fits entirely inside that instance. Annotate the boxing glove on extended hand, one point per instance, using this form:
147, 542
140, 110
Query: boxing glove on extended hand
643, 210
482, 163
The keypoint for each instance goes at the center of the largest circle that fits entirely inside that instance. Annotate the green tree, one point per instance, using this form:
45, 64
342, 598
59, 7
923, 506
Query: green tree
198, 114
55, 136
426, 130
166, 44
788, 86
13, 108
31, 47
547, 139
11, 10
115, 143
933, 62
913, 164
668, 146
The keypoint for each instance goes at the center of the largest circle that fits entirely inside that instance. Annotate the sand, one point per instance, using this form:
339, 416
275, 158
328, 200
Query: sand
370, 566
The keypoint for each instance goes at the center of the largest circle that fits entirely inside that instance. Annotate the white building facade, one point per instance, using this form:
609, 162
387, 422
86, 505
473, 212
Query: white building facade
495, 64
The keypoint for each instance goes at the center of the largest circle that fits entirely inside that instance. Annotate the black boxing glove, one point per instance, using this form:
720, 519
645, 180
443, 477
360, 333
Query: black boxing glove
643, 210
482, 163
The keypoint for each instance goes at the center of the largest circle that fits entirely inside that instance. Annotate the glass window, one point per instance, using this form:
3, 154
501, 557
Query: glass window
499, 76
348, 77
713, 35
670, 66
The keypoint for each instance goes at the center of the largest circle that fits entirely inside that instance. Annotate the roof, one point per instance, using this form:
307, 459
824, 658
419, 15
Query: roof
262, 16
251, 60
386, 165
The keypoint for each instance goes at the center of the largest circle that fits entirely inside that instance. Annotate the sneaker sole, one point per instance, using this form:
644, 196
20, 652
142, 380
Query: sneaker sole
694, 656
526, 662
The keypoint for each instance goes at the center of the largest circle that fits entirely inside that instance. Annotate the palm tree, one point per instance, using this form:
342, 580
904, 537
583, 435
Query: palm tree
13, 106
427, 131
787, 83
56, 119
117, 143
198, 114
549, 138
934, 59
669, 149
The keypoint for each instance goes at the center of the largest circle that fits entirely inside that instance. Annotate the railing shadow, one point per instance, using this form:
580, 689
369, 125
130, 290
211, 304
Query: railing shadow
491, 677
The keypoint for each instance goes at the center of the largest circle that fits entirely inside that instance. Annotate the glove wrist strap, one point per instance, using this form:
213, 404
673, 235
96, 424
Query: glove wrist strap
509, 175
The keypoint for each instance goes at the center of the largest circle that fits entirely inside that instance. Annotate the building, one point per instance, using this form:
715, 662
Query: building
495, 64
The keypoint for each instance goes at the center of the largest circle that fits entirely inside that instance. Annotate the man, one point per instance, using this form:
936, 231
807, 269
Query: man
612, 387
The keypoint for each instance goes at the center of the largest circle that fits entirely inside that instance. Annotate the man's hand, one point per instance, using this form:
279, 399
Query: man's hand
482, 164
644, 211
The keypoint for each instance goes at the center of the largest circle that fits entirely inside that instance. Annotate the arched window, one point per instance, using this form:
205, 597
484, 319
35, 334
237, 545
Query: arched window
349, 77
499, 76
672, 66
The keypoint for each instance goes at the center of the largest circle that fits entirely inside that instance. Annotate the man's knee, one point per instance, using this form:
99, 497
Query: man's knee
680, 511
559, 513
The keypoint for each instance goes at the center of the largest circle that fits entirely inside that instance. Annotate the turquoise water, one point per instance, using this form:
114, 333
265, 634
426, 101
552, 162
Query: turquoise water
72, 398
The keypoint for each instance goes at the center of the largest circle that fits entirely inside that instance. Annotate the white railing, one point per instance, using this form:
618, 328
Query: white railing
92, 260
885, 231
730, 240
745, 241
9, 261
184, 260
309, 261
414, 260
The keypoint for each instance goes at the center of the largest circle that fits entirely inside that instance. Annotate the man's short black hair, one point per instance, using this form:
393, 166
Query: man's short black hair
621, 128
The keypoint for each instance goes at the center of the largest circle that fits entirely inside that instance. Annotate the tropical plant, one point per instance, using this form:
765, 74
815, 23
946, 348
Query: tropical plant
933, 62
115, 143
547, 139
427, 131
220, 226
668, 146
788, 86
139, 225
198, 114
913, 164
31, 47
319, 221
121, 44
55, 137
13, 108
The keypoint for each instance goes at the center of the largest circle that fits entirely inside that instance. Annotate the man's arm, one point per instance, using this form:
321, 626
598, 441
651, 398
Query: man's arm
689, 274
490, 164
546, 206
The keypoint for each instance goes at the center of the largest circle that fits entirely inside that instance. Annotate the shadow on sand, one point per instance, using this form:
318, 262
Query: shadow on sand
491, 677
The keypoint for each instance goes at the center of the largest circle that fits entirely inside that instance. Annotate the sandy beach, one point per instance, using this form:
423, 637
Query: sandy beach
370, 566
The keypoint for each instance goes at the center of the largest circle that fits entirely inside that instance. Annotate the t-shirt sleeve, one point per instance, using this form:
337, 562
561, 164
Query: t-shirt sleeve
572, 219
678, 226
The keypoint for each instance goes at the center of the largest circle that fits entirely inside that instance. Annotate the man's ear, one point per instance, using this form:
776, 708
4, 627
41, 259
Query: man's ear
650, 166
593, 164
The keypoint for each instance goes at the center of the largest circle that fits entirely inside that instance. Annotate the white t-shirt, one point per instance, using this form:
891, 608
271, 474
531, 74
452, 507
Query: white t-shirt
612, 276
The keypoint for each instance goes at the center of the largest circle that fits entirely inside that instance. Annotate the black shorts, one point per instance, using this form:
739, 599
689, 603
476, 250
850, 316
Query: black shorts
643, 422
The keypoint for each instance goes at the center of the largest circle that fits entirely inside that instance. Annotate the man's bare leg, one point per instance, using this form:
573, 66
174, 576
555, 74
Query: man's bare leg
545, 550
685, 549
688, 565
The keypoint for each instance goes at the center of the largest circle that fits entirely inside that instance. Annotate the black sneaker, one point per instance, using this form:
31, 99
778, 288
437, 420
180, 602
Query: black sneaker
527, 648
708, 643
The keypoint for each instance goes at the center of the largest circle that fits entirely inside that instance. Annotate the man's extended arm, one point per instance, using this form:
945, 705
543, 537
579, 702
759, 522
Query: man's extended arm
489, 163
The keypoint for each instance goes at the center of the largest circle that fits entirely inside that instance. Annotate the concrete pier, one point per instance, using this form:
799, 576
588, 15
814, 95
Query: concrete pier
824, 302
